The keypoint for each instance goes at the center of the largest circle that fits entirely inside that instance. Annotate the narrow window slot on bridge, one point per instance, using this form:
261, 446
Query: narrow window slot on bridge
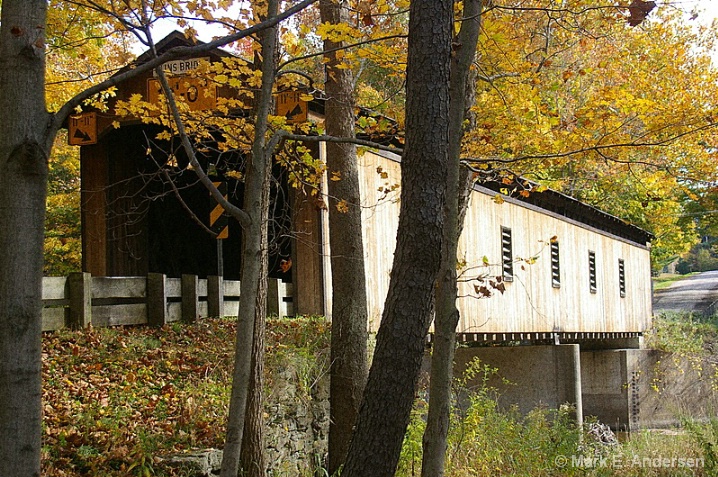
555, 265
507, 255
592, 282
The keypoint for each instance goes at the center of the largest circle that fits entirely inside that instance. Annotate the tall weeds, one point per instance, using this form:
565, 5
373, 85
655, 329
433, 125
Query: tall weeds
486, 440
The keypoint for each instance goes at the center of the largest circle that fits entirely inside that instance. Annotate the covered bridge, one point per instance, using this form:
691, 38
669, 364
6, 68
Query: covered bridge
562, 271
566, 267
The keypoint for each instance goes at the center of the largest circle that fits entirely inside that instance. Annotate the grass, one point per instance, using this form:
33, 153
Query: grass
116, 398
665, 280
684, 334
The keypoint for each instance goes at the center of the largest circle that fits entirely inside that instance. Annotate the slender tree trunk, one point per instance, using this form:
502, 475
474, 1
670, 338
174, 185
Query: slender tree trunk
253, 292
252, 453
390, 389
24, 150
447, 315
349, 303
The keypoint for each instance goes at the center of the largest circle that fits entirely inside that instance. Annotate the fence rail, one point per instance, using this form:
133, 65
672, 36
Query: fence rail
80, 299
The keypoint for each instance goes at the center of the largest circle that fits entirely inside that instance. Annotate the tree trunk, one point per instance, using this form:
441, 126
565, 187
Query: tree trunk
349, 302
252, 453
247, 376
390, 389
447, 315
24, 150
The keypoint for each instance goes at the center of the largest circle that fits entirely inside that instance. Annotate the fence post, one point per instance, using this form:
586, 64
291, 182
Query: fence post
215, 296
273, 297
276, 291
190, 298
156, 299
79, 286
281, 294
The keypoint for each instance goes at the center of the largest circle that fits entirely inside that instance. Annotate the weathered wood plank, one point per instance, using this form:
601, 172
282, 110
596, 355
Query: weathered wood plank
276, 294
232, 288
231, 308
94, 192
174, 287
380, 220
273, 298
113, 287
289, 290
202, 288
114, 315
174, 312
53, 288
530, 304
139, 300
53, 318
308, 268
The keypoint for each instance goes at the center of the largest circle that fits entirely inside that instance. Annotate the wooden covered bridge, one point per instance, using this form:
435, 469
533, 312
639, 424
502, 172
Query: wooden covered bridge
575, 280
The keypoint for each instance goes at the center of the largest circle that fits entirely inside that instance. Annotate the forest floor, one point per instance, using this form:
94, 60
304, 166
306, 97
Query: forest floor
116, 399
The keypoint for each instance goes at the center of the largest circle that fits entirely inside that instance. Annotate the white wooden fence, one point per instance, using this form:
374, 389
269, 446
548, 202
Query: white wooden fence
80, 299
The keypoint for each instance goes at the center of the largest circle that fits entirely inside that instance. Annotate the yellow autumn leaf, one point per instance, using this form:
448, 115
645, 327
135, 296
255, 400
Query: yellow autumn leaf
343, 206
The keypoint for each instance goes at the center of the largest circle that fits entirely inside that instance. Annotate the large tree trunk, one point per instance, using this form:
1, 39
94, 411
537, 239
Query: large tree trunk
252, 307
24, 150
447, 315
390, 389
349, 306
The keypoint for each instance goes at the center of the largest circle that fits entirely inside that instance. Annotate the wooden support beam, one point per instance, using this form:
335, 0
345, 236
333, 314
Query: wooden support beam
79, 287
274, 298
190, 298
215, 296
156, 299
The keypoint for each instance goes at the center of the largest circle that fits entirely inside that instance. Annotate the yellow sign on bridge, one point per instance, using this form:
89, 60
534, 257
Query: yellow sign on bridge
198, 93
291, 105
82, 129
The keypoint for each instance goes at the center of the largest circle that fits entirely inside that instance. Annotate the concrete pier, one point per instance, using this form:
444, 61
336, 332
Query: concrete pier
628, 389
537, 375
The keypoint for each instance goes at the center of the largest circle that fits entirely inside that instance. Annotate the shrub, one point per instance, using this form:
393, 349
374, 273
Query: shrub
487, 440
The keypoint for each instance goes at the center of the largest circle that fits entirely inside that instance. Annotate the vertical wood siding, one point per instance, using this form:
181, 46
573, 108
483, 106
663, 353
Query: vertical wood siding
530, 302
380, 219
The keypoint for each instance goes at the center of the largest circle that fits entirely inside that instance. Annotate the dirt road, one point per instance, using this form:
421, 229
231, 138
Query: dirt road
696, 294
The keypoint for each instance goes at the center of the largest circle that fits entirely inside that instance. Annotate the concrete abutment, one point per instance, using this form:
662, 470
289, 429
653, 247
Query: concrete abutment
628, 389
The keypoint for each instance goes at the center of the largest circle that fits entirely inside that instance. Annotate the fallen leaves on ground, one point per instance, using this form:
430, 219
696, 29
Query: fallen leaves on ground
115, 399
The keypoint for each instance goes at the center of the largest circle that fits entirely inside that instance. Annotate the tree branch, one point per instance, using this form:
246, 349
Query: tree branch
345, 47
186, 207
597, 148
571, 11
240, 215
283, 134
490, 79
